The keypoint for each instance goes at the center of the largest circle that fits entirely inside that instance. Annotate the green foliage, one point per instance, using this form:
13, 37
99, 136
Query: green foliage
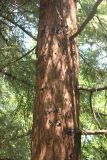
17, 78
93, 73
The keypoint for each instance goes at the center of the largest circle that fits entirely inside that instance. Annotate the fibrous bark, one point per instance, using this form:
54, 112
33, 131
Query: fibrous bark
56, 105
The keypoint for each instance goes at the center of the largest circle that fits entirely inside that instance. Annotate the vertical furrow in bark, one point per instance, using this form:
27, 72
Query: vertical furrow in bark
56, 112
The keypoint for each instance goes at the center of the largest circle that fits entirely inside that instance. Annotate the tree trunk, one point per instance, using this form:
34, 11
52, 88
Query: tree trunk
56, 113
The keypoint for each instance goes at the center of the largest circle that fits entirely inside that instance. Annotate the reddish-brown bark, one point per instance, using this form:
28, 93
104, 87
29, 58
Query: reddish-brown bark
56, 106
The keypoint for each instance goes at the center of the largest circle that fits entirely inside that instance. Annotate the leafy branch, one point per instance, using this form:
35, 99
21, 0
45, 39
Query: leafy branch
16, 60
16, 24
87, 20
13, 77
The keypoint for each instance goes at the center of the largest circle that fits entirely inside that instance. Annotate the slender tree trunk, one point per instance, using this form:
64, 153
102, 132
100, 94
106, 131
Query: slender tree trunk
56, 113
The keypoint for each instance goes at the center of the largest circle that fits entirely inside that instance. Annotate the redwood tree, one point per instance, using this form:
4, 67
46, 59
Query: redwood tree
56, 112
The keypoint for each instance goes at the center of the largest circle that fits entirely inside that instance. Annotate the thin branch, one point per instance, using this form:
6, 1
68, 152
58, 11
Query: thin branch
24, 3
84, 59
102, 58
92, 89
4, 23
87, 20
94, 132
101, 24
70, 131
3, 37
98, 113
13, 77
102, 114
16, 24
92, 110
16, 60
